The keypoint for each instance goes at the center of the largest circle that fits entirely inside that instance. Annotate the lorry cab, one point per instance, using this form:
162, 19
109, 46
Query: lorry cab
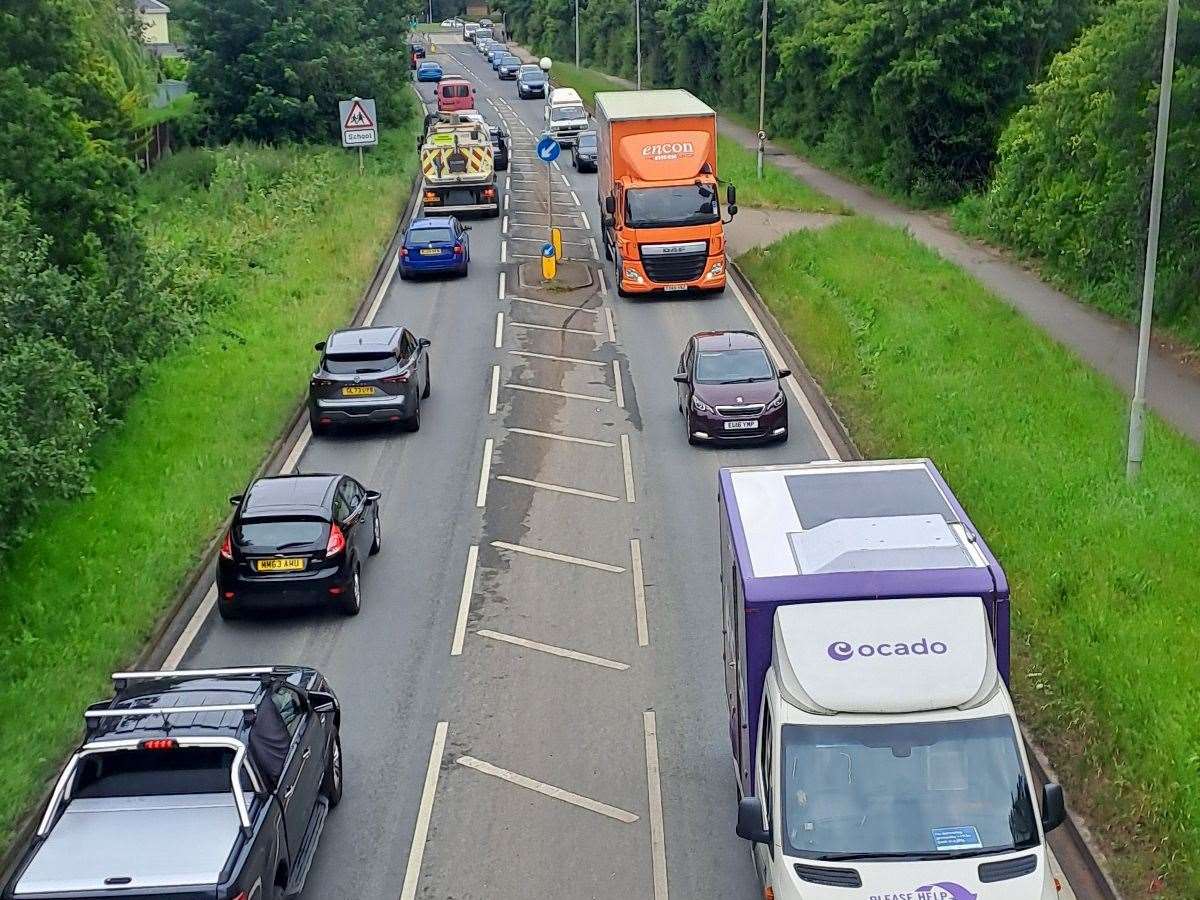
866, 647
659, 193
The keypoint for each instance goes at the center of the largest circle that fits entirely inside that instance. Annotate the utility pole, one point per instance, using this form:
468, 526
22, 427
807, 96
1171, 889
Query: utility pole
637, 17
1137, 409
577, 34
762, 94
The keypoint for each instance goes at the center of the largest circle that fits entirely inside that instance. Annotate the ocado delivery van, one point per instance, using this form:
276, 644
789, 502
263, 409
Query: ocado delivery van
866, 635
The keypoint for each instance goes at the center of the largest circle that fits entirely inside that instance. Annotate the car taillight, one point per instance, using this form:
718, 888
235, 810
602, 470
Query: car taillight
320, 382
402, 378
404, 252
458, 250
337, 541
489, 192
159, 744
227, 547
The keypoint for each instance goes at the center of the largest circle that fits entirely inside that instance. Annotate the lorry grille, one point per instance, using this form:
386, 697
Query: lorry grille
829, 876
674, 267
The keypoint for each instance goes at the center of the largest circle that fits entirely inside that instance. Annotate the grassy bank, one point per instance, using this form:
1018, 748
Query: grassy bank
921, 360
284, 241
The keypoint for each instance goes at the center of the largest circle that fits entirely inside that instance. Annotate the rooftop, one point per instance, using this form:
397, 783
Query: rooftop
666, 104
289, 491
363, 340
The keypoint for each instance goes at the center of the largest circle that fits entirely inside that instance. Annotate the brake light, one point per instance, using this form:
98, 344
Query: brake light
402, 378
458, 249
320, 382
337, 541
242, 896
489, 192
159, 744
227, 547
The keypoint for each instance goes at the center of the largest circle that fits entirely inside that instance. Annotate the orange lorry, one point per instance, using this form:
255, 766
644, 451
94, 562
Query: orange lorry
657, 187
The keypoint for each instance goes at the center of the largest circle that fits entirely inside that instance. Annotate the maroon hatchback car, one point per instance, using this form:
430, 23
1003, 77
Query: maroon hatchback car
729, 390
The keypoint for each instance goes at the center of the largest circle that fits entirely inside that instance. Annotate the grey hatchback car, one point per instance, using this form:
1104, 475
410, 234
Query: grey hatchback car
369, 375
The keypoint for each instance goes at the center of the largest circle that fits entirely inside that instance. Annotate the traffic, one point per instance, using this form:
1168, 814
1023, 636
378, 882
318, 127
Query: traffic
617, 513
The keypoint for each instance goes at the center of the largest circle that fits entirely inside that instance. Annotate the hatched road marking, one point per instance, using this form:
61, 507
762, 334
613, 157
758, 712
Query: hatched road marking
548, 790
550, 328
568, 359
562, 437
568, 394
639, 593
558, 557
464, 601
416, 851
554, 651
558, 488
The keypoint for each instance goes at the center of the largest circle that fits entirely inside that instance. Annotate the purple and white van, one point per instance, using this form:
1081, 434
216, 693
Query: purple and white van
866, 637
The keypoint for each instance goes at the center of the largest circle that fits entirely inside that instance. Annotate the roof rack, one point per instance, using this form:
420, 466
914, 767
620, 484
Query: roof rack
167, 710
123, 678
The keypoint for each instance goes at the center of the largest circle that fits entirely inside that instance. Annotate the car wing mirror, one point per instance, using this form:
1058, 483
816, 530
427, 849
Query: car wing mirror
322, 702
236, 499
1054, 806
750, 821
681, 377
784, 373
466, 228
425, 342
319, 345
373, 496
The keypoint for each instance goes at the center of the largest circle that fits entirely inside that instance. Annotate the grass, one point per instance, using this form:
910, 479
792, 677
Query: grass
586, 81
302, 233
922, 361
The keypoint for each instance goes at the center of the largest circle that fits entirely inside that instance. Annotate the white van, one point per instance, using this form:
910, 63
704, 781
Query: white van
565, 115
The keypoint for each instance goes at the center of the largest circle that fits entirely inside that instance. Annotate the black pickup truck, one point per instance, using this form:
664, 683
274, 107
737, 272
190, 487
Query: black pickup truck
210, 784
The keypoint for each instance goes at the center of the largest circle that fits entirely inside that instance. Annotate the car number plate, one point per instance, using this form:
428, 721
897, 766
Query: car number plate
358, 391
675, 287
431, 251
290, 564
741, 424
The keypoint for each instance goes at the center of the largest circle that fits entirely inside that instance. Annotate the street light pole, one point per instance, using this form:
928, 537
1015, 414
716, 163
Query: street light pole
577, 34
1137, 409
762, 93
637, 16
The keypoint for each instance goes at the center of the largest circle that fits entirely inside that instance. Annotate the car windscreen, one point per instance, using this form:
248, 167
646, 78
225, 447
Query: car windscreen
587, 141
916, 788
358, 363
510, 60
689, 204
430, 235
279, 534
533, 75
733, 366
151, 773
567, 113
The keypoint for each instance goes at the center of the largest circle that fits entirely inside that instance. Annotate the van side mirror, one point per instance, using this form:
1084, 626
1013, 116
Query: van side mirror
319, 345
784, 373
681, 377
750, 821
610, 205
322, 702
730, 195
373, 496
236, 499
1054, 807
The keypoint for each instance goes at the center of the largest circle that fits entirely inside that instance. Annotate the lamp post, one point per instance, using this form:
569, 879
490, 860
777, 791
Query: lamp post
1137, 409
577, 34
762, 93
637, 18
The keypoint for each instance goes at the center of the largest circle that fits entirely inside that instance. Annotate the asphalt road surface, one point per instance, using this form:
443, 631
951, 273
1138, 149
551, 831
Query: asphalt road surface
533, 692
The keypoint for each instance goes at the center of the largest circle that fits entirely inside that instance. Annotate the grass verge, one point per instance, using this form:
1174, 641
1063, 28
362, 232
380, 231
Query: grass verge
922, 361
288, 238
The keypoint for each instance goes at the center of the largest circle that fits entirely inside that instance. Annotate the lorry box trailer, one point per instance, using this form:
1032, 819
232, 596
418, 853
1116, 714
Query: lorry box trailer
657, 189
866, 638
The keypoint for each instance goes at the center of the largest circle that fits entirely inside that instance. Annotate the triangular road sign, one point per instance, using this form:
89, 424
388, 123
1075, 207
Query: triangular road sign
357, 118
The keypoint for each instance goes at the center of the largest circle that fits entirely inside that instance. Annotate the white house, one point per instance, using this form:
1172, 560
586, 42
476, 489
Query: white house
153, 16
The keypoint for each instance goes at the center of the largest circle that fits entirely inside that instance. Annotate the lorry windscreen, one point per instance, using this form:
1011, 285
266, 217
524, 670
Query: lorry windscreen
914, 789
663, 207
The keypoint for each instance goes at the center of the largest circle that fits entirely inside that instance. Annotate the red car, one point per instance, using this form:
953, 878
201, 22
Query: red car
729, 390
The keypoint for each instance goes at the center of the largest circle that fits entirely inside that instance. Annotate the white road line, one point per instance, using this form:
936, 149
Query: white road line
484, 473
175, 657
494, 396
547, 790
416, 851
500, 292
800, 397
618, 384
553, 651
507, 182
658, 844
540, 223
542, 241
558, 488
567, 359
499, 330
627, 465
526, 256
567, 394
506, 200
504, 226
464, 601
591, 309
536, 327
293, 458
382, 292
639, 593
583, 216
562, 437
558, 557
603, 282
556, 165
575, 197
504, 251
595, 249
608, 315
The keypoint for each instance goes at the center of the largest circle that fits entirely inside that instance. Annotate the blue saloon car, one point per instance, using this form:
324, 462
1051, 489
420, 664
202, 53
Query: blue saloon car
429, 71
435, 245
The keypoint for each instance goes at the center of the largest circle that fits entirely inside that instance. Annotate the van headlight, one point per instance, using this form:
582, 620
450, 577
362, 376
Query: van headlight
776, 402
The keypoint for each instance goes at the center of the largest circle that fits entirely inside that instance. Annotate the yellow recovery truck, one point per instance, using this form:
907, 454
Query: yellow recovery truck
458, 171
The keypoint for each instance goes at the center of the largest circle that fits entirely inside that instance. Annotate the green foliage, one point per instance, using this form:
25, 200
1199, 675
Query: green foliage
274, 70
911, 93
920, 360
1072, 184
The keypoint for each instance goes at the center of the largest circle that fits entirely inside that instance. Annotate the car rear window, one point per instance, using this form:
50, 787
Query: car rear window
151, 773
279, 534
358, 363
430, 235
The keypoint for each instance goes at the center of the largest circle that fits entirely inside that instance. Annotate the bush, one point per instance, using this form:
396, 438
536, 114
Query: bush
1072, 183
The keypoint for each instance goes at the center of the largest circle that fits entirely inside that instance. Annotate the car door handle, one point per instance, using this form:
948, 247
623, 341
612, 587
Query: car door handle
292, 788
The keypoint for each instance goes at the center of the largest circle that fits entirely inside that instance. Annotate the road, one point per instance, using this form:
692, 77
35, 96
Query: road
533, 691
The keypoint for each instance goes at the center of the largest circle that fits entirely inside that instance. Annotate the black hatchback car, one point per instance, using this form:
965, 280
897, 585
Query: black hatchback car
298, 540
377, 374
584, 152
